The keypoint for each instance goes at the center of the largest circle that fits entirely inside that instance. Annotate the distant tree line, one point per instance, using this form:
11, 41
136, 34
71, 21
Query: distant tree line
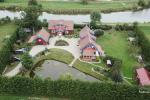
2, 0
144, 3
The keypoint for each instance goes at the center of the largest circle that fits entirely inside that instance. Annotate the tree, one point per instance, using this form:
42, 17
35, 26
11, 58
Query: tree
98, 32
141, 3
93, 24
84, 2
30, 17
27, 61
95, 16
115, 71
32, 2
2, 0
22, 34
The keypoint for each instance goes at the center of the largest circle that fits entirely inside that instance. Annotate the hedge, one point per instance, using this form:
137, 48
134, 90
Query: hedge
77, 90
144, 44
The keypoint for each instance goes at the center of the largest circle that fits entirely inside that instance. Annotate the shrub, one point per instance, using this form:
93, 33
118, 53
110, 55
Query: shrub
27, 61
98, 32
2, 0
144, 43
84, 2
32, 2
141, 3
93, 25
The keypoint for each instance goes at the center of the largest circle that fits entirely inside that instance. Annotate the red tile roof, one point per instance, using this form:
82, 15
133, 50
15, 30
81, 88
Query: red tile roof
143, 76
67, 23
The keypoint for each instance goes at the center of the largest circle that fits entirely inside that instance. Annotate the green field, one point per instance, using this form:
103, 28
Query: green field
115, 44
63, 6
6, 30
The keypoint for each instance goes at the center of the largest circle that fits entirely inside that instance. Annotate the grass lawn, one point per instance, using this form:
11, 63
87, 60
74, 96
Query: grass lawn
56, 54
14, 97
63, 6
146, 29
6, 30
115, 44
87, 68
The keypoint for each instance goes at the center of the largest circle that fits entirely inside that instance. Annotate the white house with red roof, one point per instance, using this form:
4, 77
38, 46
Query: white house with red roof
41, 38
61, 27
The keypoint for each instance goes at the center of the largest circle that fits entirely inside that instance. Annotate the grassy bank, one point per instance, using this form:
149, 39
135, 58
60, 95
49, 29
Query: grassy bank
75, 7
5, 31
87, 68
115, 44
56, 54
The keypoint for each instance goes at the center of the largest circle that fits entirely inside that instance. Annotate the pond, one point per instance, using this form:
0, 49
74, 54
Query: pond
55, 69
115, 17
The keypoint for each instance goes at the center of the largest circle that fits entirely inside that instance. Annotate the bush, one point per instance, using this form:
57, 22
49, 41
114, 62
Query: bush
32, 2
93, 25
98, 32
27, 61
84, 2
141, 3
5, 20
2, 0
124, 27
144, 43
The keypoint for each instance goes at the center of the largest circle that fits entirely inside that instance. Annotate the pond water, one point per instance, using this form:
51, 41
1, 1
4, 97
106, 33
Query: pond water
115, 17
55, 69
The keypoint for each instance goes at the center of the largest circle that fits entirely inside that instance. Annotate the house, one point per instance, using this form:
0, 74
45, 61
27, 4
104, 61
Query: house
143, 76
88, 47
86, 31
61, 27
41, 38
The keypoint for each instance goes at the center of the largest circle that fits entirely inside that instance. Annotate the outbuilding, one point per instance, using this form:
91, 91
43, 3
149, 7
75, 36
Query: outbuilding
143, 77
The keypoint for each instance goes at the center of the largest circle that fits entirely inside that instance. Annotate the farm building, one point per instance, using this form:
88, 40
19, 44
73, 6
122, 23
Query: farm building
143, 76
61, 27
41, 38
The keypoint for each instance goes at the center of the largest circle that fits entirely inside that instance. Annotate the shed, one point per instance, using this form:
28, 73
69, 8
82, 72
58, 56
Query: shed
143, 76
